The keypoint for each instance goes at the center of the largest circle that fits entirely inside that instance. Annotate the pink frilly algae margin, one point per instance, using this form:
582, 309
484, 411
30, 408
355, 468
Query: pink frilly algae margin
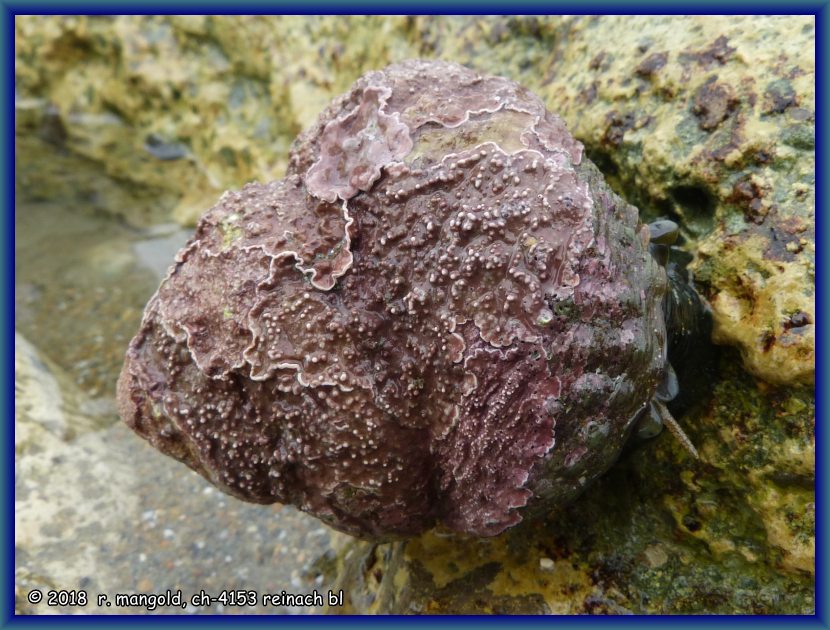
440, 316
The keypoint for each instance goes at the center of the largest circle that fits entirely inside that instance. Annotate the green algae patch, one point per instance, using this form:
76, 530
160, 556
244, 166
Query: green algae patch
230, 229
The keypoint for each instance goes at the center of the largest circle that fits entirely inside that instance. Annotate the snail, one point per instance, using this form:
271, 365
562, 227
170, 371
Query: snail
441, 316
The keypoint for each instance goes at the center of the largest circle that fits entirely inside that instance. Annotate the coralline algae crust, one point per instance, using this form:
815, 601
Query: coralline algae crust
442, 315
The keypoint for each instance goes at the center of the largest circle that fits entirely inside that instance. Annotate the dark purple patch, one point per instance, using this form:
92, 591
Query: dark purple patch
651, 64
712, 103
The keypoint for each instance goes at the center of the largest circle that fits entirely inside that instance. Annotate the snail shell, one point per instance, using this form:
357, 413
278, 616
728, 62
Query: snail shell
441, 316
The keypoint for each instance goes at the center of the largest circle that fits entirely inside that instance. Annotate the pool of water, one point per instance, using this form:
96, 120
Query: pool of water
82, 278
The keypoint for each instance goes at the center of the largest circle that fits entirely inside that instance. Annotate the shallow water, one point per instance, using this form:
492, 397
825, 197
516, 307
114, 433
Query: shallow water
82, 278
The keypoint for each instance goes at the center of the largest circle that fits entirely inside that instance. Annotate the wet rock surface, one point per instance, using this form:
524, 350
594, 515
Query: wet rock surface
707, 120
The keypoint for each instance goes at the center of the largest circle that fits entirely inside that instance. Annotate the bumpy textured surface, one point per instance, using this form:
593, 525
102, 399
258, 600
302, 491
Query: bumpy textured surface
708, 119
441, 315
711, 119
